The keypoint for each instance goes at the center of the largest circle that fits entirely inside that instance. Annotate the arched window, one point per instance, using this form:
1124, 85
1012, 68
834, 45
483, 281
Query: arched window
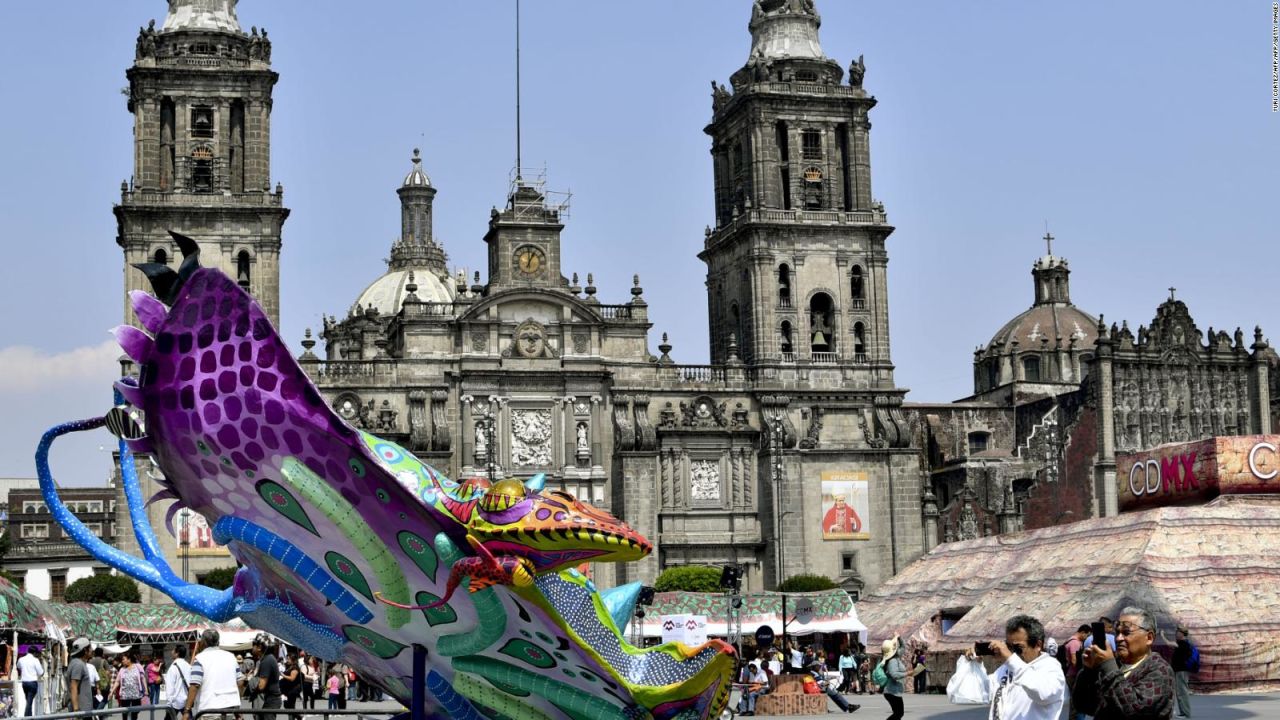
856, 289
1031, 369
242, 268
821, 318
786, 345
737, 158
784, 286
161, 257
859, 339
202, 169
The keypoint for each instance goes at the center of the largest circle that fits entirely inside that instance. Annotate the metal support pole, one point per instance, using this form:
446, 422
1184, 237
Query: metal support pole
419, 709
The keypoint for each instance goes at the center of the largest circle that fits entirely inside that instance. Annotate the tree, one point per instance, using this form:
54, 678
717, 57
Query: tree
807, 583
689, 578
219, 578
103, 589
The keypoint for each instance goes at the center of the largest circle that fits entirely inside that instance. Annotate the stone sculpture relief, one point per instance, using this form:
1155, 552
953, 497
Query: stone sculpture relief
531, 438
704, 480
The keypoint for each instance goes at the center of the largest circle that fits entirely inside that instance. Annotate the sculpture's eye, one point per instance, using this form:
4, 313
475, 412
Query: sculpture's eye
503, 495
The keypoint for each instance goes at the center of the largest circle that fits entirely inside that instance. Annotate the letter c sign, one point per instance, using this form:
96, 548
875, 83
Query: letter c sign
1253, 462
1150, 478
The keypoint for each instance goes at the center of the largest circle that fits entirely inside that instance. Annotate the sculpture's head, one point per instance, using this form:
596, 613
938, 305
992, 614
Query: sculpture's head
551, 528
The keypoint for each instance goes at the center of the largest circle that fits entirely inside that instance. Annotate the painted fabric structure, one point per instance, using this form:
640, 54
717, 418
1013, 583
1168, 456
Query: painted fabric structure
354, 550
1184, 564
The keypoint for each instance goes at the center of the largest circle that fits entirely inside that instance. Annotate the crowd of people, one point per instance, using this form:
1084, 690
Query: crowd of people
1036, 677
185, 683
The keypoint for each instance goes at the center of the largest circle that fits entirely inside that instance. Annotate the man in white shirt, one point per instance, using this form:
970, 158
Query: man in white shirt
1030, 684
754, 684
30, 671
177, 679
215, 678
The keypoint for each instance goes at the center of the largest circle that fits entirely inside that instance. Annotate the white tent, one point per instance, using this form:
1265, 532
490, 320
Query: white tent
832, 611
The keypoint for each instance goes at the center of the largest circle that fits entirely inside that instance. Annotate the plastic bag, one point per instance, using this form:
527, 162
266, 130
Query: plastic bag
969, 685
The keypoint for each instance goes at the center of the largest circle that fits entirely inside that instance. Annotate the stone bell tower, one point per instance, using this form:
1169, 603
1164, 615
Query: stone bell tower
796, 262
200, 93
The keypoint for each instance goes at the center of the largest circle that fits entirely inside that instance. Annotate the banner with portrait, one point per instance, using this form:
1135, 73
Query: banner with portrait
846, 505
194, 535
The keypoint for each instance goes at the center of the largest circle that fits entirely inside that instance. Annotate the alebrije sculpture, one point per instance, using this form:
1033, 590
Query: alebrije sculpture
353, 549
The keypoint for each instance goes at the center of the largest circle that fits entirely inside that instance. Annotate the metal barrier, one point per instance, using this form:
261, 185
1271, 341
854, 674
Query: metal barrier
157, 712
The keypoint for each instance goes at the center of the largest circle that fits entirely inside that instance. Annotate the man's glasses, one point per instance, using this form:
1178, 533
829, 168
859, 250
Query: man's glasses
1129, 629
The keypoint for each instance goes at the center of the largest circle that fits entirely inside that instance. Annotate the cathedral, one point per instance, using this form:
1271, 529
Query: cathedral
793, 451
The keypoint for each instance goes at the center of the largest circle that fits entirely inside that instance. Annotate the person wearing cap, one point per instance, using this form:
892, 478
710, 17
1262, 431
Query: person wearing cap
83, 684
215, 678
897, 672
30, 671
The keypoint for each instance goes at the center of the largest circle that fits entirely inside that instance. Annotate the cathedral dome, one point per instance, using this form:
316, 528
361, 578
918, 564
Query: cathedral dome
1052, 316
388, 292
1049, 321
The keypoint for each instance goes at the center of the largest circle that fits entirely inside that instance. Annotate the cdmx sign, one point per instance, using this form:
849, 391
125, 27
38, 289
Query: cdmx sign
1198, 471
1177, 474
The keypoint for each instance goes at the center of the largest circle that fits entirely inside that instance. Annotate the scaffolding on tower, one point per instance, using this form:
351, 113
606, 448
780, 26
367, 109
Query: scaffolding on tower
527, 194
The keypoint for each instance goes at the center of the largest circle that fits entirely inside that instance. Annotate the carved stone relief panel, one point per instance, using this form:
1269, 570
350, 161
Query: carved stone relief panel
531, 438
704, 481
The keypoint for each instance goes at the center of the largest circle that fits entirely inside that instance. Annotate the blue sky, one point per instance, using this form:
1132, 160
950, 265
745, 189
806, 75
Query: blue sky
1141, 131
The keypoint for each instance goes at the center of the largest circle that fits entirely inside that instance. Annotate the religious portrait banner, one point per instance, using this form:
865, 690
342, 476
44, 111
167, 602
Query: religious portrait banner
846, 506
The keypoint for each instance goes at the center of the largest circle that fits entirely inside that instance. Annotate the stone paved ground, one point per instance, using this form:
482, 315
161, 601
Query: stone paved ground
936, 707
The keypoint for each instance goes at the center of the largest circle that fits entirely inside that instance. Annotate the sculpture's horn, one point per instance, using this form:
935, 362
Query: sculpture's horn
164, 281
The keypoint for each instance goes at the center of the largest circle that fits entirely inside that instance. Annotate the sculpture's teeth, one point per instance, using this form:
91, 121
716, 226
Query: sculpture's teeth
135, 343
150, 311
621, 603
131, 393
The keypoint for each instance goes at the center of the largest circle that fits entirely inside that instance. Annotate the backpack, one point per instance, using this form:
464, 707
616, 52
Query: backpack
1193, 662
879, 676
1061, 655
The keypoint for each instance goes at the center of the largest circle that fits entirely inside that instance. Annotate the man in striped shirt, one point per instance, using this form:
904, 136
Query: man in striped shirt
216, 678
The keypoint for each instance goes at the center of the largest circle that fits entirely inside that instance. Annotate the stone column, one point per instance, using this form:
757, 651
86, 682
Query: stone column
861, 151
1105, 470
468, 440
1261, 378
930, 512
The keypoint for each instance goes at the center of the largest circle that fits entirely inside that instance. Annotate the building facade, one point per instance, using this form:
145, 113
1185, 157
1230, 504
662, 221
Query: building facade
41, 557
787, 454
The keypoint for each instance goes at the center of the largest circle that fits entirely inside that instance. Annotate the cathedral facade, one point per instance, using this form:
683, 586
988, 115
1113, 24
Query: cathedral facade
793, 450
789, 453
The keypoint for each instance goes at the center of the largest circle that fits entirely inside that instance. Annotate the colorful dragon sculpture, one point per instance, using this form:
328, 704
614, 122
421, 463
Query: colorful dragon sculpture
352, 548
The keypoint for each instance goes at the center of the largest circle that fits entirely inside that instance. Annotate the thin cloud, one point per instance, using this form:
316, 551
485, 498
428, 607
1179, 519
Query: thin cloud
27, 370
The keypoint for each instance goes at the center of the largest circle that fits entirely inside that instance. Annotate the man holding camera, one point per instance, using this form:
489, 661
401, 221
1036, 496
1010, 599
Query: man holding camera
1131, 684
1030, 684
